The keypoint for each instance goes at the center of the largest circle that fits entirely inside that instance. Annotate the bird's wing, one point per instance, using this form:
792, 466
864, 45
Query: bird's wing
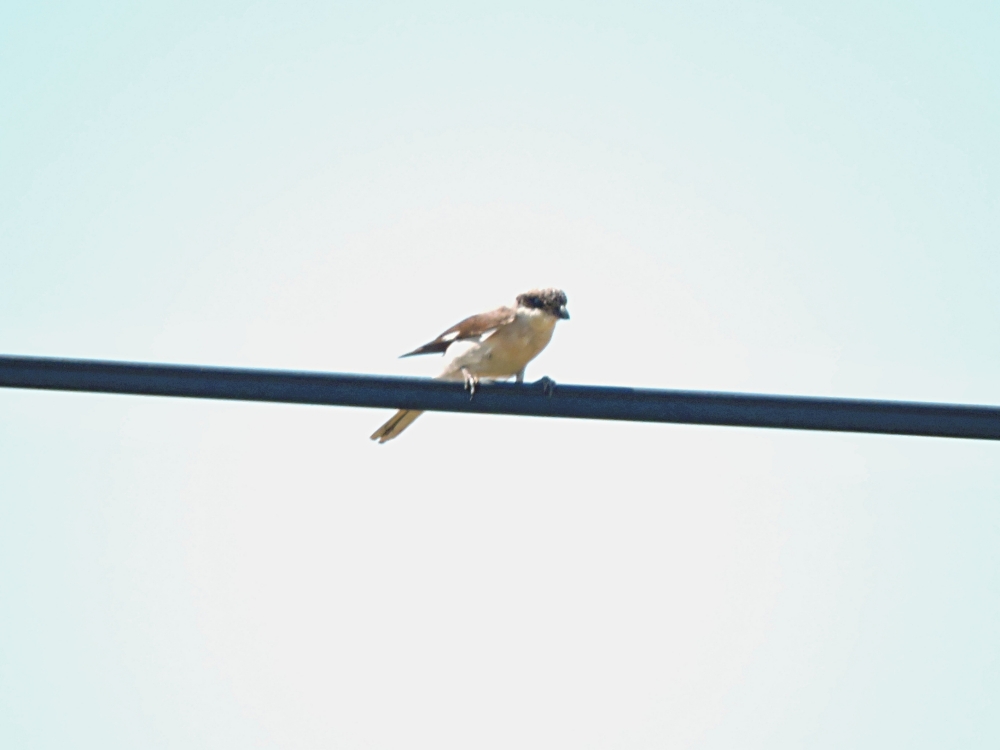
473, 327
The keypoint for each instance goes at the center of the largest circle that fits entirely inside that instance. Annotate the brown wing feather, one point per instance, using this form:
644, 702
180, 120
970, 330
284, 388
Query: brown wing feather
470, 328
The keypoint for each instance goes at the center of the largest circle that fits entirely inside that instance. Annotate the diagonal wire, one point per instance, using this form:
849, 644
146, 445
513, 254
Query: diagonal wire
541, 399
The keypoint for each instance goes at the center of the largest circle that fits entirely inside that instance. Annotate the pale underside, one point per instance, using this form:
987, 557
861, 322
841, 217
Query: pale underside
502, 352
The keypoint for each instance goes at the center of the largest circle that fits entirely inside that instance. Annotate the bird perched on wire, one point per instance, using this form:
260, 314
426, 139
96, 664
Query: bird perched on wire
493, 345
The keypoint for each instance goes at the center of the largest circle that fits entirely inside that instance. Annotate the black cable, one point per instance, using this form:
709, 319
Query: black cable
534, 399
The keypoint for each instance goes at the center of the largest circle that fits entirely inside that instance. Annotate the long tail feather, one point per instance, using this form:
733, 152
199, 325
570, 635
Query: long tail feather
396, 424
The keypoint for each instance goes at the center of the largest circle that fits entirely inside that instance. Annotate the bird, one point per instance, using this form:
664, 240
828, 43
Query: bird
493, 345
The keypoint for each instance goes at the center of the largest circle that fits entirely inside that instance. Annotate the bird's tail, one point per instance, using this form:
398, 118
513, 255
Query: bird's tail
396, 424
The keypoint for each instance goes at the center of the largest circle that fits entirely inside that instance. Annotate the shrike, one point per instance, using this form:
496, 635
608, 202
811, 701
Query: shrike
493, 345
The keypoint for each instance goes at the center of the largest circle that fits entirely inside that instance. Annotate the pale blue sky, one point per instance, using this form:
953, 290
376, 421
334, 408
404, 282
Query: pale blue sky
756, 196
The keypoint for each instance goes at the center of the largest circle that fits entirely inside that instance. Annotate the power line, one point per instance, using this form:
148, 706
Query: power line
533, 399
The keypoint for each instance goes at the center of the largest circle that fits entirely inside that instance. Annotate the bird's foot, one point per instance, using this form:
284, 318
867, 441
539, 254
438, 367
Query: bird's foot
548, 385
471, 381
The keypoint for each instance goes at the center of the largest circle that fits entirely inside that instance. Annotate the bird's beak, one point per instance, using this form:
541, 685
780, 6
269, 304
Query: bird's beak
564, 313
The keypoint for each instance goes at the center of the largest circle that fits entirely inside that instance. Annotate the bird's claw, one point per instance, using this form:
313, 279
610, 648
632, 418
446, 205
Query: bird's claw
548, 385
471, 381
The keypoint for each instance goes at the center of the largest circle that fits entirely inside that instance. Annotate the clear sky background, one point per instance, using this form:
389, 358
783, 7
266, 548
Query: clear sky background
753, 196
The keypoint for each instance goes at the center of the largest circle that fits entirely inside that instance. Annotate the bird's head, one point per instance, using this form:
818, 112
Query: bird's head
552, 301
